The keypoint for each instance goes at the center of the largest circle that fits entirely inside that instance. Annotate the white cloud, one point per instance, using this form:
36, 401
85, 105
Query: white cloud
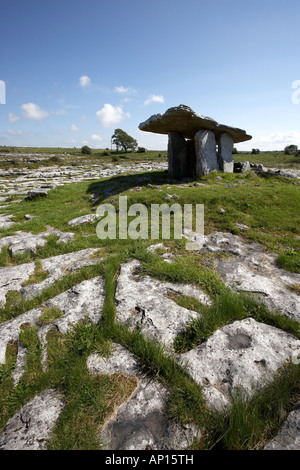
13, 117
96, 138
154, 99
74, 128
121, 89
34, 112
14, 132
124, 91
84, 81
275, 141
110, 115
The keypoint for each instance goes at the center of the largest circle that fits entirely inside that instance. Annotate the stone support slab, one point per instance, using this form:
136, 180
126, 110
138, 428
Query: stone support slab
206, 155
177, 155
225, 148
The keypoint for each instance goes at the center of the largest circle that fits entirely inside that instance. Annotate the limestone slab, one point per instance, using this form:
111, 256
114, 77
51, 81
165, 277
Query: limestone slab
288, 438
141, 423
177, 155
26, 241
32, 426
184, 120
143, 303
13, 277
206, 155
225, 158
243, 356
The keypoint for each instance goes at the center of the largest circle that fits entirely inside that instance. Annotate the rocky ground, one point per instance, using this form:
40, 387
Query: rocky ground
244, 355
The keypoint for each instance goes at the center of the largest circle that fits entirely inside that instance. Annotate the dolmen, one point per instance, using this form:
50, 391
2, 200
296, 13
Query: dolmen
197, 144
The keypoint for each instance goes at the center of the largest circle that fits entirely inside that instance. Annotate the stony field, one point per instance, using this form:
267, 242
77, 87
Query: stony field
142, 344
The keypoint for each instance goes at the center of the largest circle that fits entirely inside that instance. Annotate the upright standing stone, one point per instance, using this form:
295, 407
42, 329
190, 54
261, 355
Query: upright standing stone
177, 155
206, 155
191, 158
225, 148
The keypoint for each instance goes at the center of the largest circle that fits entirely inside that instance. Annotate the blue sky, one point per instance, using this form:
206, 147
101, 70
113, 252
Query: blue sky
75, 70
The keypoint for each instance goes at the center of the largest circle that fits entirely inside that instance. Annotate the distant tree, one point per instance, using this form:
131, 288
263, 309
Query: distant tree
291, 150
255, 151
86, 150
124, 141
234, 150
141, 149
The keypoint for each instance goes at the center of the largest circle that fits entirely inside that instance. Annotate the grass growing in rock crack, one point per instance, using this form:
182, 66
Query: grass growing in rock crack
251, 422
290, 261
227, 307
16, 304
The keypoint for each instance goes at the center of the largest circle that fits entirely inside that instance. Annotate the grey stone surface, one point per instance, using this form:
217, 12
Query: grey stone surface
33, 194
5, 221
243, 356
26, 241
206, 156
177, 155
241, 167
59, 266
10, 330
13, 277
184, 120
32, 426
153, 312
82, 301
288, 438
225, 158
252, 269
141, 422
83, 219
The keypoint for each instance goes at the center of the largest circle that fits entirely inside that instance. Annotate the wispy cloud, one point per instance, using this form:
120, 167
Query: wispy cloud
59, 112
110, 115
275, 141
124, 90
13, 117
14, 132
74, 128
154, 99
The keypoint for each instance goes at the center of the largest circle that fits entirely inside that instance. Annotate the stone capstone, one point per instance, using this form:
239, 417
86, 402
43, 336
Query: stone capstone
184, 120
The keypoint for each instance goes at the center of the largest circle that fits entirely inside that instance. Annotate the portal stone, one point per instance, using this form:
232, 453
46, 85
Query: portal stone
191, 158
206, 155
177, 155
225, 148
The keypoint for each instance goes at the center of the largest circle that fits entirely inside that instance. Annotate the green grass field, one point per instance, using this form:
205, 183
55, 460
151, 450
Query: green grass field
268, 205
